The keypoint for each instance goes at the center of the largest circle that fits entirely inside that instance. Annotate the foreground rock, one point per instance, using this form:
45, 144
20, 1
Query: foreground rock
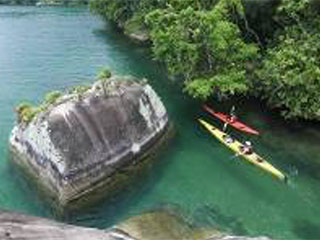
151, 226
21, 227
87, 145
168, 225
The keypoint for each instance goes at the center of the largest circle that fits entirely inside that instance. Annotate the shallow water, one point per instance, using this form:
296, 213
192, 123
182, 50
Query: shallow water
42, 49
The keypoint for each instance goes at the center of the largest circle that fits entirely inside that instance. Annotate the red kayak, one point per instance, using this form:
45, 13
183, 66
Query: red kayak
233, 122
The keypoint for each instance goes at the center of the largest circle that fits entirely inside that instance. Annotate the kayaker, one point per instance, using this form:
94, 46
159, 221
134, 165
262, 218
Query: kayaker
246, 148
231, 118
228, 139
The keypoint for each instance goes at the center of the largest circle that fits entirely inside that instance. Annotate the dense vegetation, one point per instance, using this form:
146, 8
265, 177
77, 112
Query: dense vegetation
231, 47
290, 71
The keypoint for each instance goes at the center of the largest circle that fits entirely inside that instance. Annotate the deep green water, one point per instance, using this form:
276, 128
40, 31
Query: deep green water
53, 48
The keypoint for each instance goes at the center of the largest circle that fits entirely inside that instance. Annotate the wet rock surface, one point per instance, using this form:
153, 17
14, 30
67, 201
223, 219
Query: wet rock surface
88, 143
15, 226
170, 225
149, 226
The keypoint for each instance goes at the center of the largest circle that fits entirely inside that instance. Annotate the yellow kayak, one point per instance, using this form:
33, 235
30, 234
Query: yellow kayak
236, 146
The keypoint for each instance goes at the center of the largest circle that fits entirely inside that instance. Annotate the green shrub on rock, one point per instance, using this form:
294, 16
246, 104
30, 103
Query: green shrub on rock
26, 112
52, 97
104, 74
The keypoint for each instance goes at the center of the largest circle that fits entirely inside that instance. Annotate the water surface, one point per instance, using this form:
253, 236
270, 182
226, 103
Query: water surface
42, 49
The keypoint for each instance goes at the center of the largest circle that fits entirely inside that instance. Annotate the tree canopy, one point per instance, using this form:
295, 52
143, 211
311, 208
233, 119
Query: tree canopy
227, 47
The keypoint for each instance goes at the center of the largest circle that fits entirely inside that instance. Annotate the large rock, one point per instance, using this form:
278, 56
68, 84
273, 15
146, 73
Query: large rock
15, 226
150, 226
93, 143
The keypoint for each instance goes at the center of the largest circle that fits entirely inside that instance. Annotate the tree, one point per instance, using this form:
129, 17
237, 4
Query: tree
104, 76
290, 73
211, 45
203, 45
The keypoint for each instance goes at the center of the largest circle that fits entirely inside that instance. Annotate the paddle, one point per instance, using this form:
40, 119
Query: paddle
236, 155
225, 125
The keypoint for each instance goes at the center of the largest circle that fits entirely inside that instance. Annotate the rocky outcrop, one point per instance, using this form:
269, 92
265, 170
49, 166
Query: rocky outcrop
91, 143
135, 31
15, 226
142, 38
150, 226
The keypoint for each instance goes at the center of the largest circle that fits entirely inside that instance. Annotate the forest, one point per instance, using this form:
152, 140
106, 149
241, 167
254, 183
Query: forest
224, 48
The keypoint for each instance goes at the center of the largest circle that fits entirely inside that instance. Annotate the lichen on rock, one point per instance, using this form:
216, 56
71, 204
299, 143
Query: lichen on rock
77, 145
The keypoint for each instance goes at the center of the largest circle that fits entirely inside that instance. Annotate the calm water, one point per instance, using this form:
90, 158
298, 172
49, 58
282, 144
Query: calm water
46, 48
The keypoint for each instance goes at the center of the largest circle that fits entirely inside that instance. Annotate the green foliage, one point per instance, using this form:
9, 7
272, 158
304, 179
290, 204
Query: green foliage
104, 74
80, 89
22, 106
198, 40
290, 74
116, 10
26, 112
289, 77
212, 46
135, 25
291, 11
261, 19
205, 46
52, 97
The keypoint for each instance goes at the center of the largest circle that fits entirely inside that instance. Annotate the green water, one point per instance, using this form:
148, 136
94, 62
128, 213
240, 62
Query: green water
53, 48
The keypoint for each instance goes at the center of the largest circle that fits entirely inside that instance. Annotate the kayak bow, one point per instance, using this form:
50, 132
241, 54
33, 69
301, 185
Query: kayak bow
236, 146
226, 118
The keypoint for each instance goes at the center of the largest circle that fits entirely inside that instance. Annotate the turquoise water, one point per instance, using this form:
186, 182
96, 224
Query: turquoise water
53, 48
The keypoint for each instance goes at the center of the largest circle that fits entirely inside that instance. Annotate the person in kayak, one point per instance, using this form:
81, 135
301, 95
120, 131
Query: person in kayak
228, 139
231, 118
246, 148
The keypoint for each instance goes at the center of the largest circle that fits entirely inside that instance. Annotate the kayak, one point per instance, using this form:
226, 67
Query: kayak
227, 119
236, 146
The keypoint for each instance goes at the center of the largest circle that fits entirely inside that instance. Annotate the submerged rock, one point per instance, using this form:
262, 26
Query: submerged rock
159, 225
88, 145
151, 226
